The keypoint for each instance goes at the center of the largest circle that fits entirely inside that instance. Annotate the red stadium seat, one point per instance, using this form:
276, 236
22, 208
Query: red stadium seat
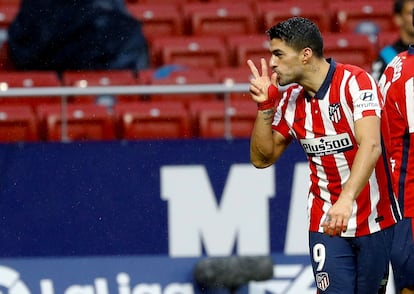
157, 19
160, 1
5, 62
18, 123
356, 49
213, 120
152, 120
84, 122
243, 47
232, 75
272, 12
93, 78
15, 79
219, 18
348, 15
28, 79
8, 12
195, 51
11, 2
188, 76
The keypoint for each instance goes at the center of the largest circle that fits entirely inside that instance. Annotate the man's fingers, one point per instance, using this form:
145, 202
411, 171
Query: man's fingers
253, 69
334, 227
273, 79
264, 67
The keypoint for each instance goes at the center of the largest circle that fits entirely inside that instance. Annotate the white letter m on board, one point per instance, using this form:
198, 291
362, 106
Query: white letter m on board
195, 218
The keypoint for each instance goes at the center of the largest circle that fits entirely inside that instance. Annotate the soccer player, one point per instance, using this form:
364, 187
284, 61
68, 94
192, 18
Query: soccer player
334, 111
397, 86
403, 19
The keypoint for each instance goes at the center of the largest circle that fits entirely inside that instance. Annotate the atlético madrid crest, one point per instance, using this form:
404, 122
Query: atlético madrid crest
322, 281
335, 112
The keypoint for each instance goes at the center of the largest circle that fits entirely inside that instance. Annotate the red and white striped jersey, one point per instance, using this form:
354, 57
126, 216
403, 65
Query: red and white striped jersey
324, 126
397, 86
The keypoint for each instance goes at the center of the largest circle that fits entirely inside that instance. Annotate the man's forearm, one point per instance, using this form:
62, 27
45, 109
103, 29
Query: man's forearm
262, 144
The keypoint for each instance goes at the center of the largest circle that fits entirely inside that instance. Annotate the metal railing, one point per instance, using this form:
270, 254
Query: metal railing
64, 92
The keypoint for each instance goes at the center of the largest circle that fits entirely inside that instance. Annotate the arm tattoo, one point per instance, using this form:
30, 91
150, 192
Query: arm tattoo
268, 116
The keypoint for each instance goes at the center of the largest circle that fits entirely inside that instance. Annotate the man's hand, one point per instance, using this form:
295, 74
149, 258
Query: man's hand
263, 89
338, 217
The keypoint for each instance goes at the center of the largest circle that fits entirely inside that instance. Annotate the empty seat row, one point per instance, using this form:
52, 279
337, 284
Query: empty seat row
214, 52
230, 18
129, 121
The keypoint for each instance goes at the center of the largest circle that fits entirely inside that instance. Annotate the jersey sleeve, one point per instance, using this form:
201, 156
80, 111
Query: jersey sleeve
280, 124
366, 97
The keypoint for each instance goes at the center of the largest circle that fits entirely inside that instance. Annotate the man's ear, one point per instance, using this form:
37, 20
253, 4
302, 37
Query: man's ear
398, 20
307, 53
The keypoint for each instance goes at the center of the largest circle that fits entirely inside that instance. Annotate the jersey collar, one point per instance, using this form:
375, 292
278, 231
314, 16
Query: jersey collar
326, 83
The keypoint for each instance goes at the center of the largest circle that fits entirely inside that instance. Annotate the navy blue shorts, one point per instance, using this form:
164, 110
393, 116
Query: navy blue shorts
350, 265
402, 254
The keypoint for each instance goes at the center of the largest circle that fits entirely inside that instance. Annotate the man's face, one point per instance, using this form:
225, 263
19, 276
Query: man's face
405, 19
286, 62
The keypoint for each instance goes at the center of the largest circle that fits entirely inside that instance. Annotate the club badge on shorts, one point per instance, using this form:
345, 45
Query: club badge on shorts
322, 281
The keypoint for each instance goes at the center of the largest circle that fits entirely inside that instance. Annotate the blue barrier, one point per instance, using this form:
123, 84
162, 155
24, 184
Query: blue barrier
138, 275
103, 198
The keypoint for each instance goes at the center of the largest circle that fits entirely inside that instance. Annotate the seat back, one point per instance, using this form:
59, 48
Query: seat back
218, 120
28, 79
18, 123
157, 19
152, 120
82, 122
348, 16
244, 47
270, 13
356, 49
193, 51
219, 18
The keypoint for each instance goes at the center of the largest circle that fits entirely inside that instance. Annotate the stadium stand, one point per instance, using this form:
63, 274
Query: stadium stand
271, 12
232, 75
28, 79
219, 18
210, 119
348, 16
186, 76
350, 48
84, 122
7, 13
84, 79
157, 19
18, 123
5, 62
191, 42
243, 47
152, 120
195, 51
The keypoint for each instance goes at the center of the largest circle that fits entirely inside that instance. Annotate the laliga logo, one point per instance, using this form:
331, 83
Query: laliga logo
9, 279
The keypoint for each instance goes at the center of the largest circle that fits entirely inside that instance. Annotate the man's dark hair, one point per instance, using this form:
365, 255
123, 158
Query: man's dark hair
398, 6
298, 33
